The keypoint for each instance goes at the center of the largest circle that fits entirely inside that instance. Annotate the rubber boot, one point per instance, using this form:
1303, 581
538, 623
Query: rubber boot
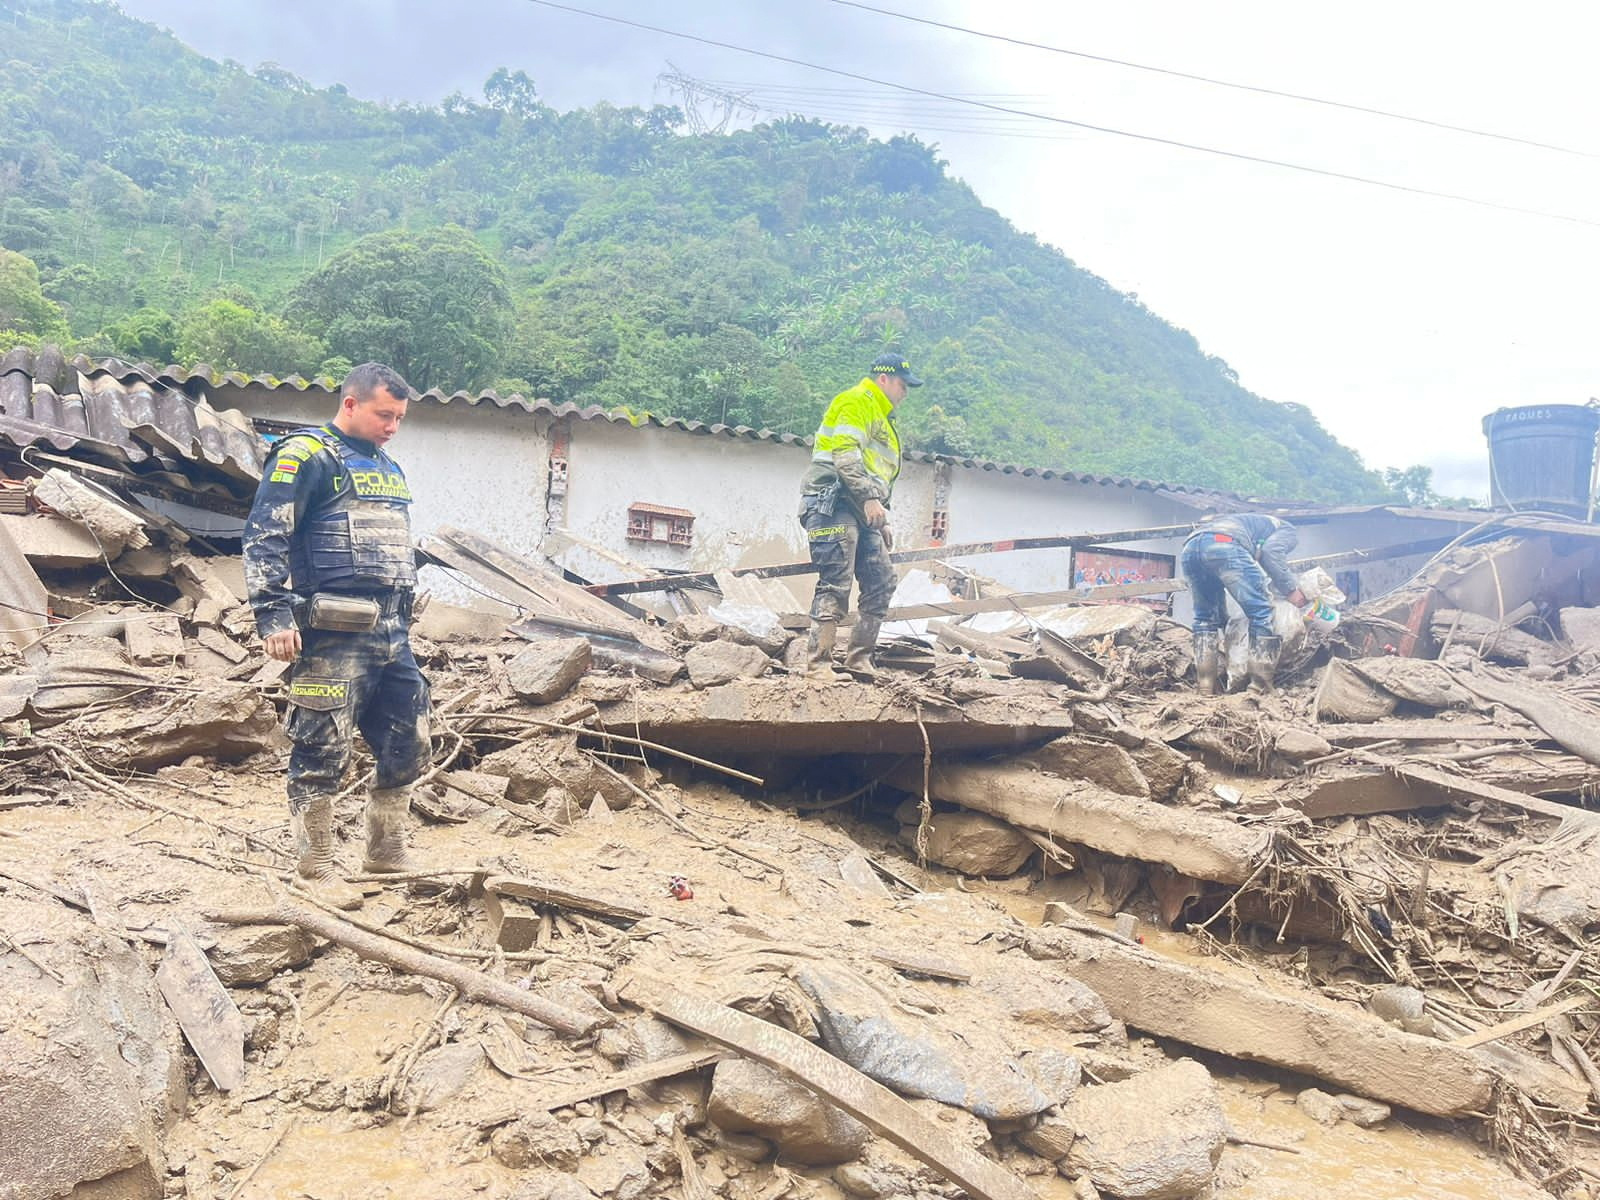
386, 832
819, 649
863, 638
1264, 651
319, 865
1208, 662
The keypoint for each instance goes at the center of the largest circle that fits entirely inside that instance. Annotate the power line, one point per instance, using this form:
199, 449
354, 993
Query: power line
1155, 139
1206, 79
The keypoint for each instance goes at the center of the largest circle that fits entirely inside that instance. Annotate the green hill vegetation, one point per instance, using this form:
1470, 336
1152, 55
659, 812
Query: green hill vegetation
159, 205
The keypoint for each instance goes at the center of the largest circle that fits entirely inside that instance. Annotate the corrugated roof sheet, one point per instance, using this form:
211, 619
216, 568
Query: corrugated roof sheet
126, 416
179, 378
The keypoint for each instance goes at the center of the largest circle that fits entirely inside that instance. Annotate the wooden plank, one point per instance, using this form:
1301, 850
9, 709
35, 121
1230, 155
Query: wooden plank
560, 597
562, 897
924, 554
1521, 1021
665, 1068
206, 1013
869, 1102
1499, 795
1015, 602
1424, 731
1229, 1012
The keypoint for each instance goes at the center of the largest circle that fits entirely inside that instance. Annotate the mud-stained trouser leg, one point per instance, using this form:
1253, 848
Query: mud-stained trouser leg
832, 539
1210, 610
395, 724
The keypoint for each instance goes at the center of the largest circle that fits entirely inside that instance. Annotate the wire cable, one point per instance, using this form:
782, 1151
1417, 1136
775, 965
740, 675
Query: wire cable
1223, 83
1236, 155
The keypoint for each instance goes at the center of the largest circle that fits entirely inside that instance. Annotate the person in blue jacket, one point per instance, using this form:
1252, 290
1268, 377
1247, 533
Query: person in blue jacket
1246, 556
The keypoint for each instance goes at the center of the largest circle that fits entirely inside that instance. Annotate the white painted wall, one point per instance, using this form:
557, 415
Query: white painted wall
477, 467
985, 505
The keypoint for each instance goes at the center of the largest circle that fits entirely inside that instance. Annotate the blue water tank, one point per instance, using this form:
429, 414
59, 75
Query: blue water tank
1541, 457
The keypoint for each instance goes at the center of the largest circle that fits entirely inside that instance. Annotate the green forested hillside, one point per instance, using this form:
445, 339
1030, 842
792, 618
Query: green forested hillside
181, 209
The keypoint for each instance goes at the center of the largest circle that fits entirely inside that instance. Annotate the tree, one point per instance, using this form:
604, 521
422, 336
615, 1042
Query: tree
433, 305
24, 308
1414, 486
147, 335
513, 92
230, 337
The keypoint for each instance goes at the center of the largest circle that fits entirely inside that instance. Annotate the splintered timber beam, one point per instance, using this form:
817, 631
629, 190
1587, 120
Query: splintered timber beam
926, 554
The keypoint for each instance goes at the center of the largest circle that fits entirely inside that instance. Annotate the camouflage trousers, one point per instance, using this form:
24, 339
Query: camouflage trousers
348, 682
842, 547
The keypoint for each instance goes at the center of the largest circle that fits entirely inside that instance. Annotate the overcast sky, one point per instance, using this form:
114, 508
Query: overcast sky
1399, 319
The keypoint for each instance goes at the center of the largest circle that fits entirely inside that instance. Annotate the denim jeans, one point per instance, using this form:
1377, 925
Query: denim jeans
1216, 570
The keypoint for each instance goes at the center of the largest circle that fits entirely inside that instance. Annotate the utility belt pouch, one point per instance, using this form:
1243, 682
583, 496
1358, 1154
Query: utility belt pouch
343, 614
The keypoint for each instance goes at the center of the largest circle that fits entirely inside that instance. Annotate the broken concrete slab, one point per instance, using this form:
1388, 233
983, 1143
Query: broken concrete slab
23, 602
535, 767
1164, 769
94, 1075
1101, 763
1192, 843
51, 542
1157, 1136
250, 954
80, 672
544, 671
153, 639
775, 717
712, 664
1213, 1010
112, 526
226, 721
747, 1097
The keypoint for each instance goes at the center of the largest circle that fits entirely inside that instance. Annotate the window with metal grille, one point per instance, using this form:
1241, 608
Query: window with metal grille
660, 523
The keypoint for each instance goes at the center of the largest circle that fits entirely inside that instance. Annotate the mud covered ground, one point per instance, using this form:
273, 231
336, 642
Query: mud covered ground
349, 1094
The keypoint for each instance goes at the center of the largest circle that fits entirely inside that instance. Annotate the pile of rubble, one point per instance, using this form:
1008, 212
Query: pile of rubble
1024, 917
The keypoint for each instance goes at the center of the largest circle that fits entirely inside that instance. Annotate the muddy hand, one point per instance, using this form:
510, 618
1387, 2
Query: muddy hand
283, 645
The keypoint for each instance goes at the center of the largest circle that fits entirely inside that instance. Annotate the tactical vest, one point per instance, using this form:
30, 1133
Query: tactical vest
358, 539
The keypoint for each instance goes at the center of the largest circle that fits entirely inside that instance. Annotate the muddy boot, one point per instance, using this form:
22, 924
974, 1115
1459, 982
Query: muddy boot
858, 658
386, 832
819, 650
1208, 662
319, 865
1264, 651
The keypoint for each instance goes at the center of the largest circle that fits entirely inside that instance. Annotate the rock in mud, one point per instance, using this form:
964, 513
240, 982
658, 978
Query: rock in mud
91, 1073
537, 766
442, 1073
1156, 1137
551, 1185
536, 1139
696, 627
1162, 767
974, 844
1057, 1002
544, 671
1327, 1109
747, 1097
246, 954
1050, 1139
618, 1170
1102, 763
712, 664
974, 1068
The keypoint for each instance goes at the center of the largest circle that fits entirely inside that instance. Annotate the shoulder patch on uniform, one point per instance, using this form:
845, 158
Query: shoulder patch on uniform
298, 447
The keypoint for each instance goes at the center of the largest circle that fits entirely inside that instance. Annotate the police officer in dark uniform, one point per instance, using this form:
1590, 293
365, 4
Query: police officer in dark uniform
331, 572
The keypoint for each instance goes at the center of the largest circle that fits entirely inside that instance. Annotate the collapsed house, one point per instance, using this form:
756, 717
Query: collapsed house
1026, 914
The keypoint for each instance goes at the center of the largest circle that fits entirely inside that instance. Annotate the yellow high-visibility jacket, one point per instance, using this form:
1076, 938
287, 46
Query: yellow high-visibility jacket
856, 445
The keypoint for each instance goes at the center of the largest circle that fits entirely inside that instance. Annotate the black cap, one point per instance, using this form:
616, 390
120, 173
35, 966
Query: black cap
891, 363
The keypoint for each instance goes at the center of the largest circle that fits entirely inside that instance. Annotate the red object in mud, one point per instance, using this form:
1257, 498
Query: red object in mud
678, 888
